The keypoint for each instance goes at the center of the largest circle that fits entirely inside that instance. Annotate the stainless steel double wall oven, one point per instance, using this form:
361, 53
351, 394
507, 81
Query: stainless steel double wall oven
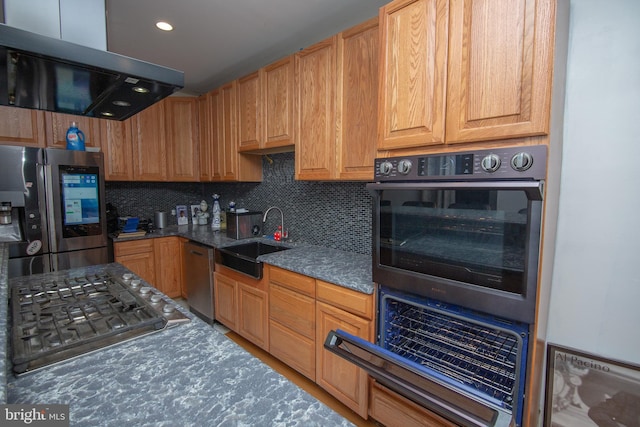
456, 242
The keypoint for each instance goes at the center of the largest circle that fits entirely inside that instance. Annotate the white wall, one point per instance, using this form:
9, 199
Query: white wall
595, 295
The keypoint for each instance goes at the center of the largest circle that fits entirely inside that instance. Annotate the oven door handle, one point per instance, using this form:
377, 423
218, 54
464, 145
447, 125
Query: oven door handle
533, 189
415, 386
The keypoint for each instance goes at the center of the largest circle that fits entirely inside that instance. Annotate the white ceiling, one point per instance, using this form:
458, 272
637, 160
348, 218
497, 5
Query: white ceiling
216, 41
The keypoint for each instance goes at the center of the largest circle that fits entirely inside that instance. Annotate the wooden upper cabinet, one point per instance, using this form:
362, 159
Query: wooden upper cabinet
464, 71
357, 101
265, 108
500, 69
315, 157
413, 57
19, 126
228, 135
57, 125
204, 139
182, 138
234, 166
215, 132
149, 148
115, 137
277, 94
249, 118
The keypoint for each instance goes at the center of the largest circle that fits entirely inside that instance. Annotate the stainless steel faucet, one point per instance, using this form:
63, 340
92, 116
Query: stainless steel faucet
264, 219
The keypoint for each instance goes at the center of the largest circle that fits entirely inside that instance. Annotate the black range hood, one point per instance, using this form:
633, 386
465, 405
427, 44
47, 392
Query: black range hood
45, 73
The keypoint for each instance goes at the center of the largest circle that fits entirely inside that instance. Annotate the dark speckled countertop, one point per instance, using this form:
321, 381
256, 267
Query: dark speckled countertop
347, 269
189, 375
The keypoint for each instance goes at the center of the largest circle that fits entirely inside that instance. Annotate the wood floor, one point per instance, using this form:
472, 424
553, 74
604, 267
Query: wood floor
301, 381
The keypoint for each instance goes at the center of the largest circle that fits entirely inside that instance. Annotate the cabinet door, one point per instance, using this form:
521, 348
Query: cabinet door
205, 152
253, 319
168, 263
250, 112
118, 149
500, 67
19, 126
228, 135
57, 125
413, 59
226, 301
182, 138
342, 379
315, 157
215, 133
357, 105
278, 113
149, 148
137, 256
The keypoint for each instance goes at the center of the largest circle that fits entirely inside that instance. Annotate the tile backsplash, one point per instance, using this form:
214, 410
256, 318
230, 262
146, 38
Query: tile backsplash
332, 214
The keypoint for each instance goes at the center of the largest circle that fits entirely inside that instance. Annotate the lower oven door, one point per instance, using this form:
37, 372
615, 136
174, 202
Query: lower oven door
408, 379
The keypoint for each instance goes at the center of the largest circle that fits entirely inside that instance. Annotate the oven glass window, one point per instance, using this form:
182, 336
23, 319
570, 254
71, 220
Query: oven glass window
472, 236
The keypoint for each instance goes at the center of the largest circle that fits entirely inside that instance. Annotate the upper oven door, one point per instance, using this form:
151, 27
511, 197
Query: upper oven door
473, 244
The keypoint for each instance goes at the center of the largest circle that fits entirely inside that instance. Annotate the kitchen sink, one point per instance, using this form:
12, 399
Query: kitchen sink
244, 257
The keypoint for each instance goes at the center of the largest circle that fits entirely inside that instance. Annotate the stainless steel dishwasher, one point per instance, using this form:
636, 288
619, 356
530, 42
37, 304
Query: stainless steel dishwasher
198, 265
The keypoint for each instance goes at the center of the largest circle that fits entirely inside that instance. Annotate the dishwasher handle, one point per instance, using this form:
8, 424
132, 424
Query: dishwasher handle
194, 252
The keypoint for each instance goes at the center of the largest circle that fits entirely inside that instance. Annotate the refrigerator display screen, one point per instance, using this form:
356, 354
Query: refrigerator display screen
80, 198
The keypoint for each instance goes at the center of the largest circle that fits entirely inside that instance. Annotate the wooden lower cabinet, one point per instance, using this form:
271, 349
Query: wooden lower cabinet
341, 378
157, 261
137, 256
393, 410
242, 305
292, 320
252, 315
225, 298
168, 263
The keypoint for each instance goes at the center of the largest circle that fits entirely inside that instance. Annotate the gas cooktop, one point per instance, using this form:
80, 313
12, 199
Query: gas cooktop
54, 320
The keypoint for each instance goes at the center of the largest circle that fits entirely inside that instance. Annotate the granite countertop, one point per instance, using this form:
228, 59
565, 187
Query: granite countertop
347, 269
189, 375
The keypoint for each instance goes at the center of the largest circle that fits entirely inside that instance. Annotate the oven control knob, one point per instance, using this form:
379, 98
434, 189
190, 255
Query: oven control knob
385, 168
491, 163
521, 161
404, 166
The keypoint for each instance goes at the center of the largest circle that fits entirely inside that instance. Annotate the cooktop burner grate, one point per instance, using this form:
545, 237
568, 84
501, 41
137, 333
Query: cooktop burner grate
483, 357
57, 319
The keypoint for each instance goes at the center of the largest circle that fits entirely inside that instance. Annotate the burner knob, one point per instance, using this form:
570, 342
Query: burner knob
155, 298
521, 161
145, 290
491, 163
385, 168
168, 309
404, 166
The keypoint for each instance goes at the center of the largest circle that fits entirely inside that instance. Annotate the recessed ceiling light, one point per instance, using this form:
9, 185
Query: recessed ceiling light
107, 113
140, 89
121, 103
164, 26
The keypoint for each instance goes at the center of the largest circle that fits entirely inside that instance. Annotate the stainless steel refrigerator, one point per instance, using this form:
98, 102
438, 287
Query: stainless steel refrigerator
57, 203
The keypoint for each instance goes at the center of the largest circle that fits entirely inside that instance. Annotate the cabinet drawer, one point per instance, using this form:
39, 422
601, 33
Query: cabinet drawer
293, 310
295, 281
132, 247
349, 300
393, 410
293, 349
